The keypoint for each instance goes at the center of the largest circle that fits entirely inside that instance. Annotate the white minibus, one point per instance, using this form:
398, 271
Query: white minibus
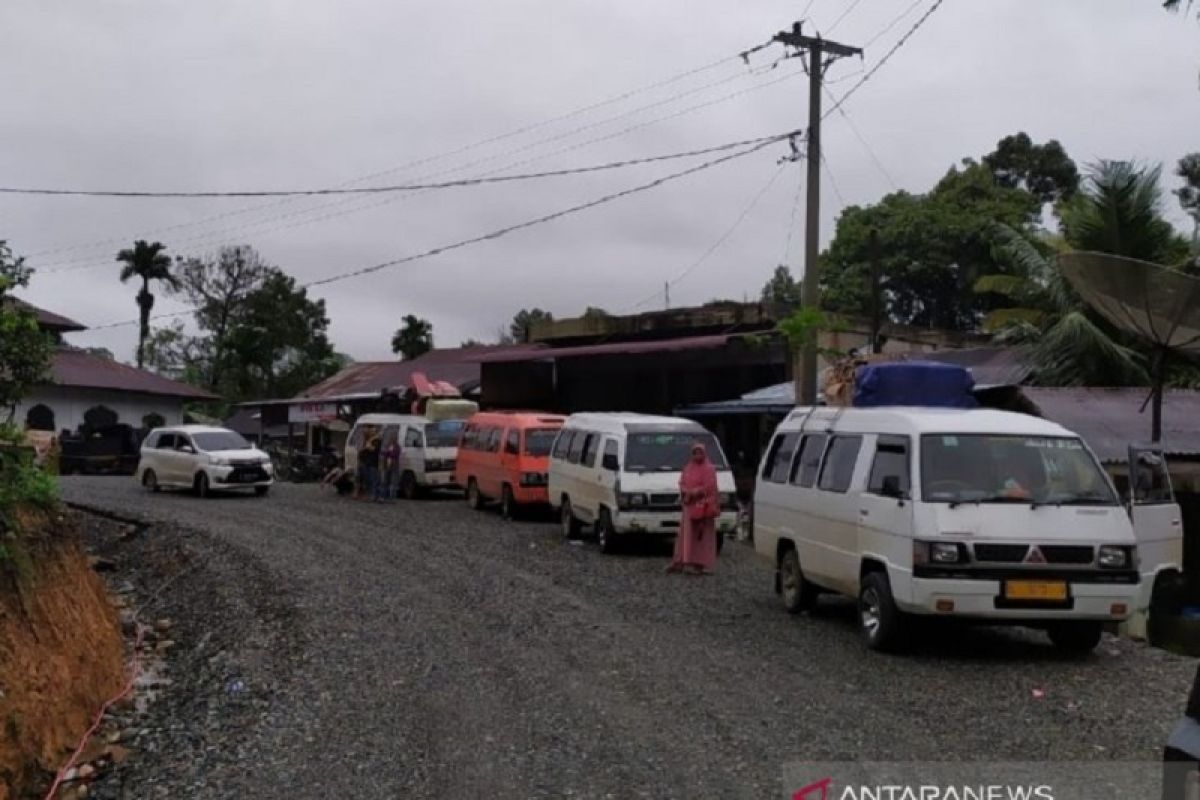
974, 514
428, 448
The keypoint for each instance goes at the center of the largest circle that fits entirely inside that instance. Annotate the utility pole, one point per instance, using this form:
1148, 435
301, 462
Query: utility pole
820, 54
876, 298
667, 294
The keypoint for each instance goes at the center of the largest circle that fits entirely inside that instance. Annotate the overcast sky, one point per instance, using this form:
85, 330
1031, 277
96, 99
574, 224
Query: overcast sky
229, 95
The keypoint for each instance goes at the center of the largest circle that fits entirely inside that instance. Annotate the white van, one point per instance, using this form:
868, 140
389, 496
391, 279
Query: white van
620, 473
428, 448
926, 511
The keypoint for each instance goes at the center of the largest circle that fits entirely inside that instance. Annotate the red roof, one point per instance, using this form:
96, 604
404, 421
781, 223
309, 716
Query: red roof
82, 369
458, 366
533, 353
48, 320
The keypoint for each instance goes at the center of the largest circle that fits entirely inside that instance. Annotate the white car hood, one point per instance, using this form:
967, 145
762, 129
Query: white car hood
1012, 522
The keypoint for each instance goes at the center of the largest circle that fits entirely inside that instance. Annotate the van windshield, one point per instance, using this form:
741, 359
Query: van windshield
444, 433
977, 468
215, 441
538, 441
668, 451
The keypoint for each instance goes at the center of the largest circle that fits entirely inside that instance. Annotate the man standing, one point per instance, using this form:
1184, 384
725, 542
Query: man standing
390, 467
1181, 767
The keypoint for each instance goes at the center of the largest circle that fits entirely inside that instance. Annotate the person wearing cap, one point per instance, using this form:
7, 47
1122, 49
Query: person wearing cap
1181, 758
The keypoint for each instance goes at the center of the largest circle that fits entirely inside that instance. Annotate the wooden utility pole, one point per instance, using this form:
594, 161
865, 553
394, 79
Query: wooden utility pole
820, 54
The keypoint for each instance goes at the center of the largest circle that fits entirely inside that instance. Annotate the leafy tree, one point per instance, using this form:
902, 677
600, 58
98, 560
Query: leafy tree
471, 343
782, 288
149, 262
524, 321
933, 247
1188, 168
278, 345
25, 350
413, 338
1043, 170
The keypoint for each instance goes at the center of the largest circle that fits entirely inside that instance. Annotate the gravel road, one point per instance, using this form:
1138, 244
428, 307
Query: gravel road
424, 650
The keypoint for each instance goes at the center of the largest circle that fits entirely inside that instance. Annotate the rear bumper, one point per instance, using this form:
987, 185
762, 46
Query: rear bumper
531, 495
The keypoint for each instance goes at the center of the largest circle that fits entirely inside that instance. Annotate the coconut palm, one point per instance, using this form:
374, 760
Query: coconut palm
149, 262
1118, 211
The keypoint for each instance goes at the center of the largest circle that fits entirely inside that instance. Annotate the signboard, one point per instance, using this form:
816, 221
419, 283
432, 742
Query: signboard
312, 412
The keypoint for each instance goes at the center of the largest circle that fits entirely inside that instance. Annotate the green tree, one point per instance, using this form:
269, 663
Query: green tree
1188, 168
1043, 170
523, 322
782, 288
413, 338
933, 247
25, 349
149, 262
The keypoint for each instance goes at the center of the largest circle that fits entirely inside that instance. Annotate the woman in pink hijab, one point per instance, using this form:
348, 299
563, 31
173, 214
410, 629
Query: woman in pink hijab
696, 544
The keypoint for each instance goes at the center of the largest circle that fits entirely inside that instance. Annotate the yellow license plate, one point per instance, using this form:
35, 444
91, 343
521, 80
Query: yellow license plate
1035, 590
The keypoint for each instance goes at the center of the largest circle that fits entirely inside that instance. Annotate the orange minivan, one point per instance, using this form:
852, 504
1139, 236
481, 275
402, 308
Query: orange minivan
504, 456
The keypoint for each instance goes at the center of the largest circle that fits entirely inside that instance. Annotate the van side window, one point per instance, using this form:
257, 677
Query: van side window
562, 444
780, 459
166, 441
151, 441
838, 468
590, 448
182, 440
356, 437
891, 460
610, 448
804, 473
412, 438
493, 440
469, 437
512, 442
577, 445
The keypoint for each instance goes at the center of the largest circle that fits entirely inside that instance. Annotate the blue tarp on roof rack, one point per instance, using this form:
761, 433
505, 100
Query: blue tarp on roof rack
914, 383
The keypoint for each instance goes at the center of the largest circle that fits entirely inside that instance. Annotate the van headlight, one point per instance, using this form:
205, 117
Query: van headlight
219, 462
939, 553
1113, 556
631, 500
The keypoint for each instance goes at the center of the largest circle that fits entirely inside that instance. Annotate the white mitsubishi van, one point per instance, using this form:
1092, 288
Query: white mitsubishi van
977, 514
620, 472
428, 448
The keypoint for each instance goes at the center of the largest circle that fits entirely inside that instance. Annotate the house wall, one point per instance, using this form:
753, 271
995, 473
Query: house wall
70, 403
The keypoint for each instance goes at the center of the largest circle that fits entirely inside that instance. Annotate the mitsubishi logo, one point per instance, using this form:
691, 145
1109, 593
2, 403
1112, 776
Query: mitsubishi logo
1035, 556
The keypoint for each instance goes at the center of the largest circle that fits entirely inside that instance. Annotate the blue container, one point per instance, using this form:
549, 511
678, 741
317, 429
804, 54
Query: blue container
914, 383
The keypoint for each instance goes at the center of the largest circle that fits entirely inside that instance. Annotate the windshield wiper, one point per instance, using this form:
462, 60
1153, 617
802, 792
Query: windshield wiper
989, 498
1089, 499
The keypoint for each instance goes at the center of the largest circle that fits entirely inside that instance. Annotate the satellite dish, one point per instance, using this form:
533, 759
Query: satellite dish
1160, 306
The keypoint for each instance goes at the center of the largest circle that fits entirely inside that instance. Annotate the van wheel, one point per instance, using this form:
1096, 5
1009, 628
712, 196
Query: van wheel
606, 534
798, 594
408, 486
201, 485
881, 623
474, 498
508, 505
150, 481
570, 525
1076, 638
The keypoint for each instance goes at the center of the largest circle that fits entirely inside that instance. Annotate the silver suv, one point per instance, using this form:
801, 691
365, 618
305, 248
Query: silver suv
204, 459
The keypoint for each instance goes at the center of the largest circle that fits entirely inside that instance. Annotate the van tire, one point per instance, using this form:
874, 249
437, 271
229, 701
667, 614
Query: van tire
1076, 638
570, 525
802, 595
606, 534
201, 485
408, 485
474, 498
150, 481
508, 504
882, 624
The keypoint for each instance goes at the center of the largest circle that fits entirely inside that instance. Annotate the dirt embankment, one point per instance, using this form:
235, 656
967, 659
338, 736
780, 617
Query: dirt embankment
61, 651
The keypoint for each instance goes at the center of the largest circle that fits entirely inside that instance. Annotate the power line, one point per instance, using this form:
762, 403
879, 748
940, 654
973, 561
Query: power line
787, 245
721, 239
448, 154
832, 180
844, 14
88, 262
500, 232
384, 189
866, 146
892, 24
908, 35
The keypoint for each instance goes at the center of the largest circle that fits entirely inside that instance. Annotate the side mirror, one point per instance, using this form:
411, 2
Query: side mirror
187, 448
891, 487
611, 463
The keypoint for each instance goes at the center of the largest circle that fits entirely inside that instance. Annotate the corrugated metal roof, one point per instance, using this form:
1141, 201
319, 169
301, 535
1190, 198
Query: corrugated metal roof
615, 348
459, 366
82, 369
1110, 420
48, 319
990, 366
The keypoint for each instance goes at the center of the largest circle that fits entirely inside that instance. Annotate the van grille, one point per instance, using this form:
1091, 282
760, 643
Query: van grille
1017, 553
671, 500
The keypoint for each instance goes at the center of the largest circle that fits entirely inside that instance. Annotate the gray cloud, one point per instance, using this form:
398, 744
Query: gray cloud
228, 95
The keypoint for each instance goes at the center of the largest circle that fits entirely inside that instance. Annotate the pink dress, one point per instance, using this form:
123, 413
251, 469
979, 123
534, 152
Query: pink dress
696, 544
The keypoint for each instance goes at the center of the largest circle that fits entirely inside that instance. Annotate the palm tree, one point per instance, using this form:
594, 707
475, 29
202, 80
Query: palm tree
1118, 210
148, 262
